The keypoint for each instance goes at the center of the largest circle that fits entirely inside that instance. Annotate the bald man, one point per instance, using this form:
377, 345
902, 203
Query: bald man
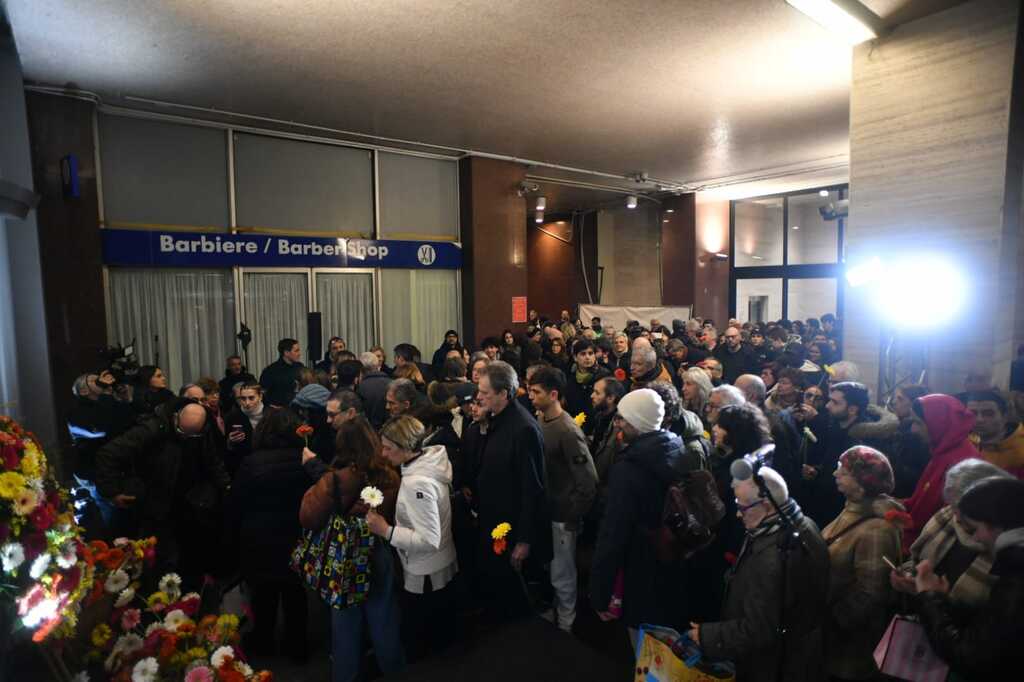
168, 471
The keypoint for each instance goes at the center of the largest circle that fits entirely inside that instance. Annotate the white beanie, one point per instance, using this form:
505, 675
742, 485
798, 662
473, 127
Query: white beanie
643, 409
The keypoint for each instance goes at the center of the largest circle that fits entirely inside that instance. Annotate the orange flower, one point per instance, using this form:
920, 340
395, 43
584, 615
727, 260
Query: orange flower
186, 629
98, 546
168, 646
113, 558
500, 545
304, 431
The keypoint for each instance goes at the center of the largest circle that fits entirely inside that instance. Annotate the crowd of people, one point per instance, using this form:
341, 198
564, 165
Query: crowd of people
571, 437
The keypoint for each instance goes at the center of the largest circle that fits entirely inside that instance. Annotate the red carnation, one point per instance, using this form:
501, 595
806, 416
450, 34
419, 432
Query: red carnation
34, 544
620, 374
10, 457
72, 578
730, 558
43, 517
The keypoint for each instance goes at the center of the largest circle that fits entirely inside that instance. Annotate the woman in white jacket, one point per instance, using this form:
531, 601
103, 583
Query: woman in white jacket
422, 534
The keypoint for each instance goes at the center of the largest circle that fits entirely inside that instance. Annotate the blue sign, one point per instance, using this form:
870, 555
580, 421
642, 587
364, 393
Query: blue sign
198, 250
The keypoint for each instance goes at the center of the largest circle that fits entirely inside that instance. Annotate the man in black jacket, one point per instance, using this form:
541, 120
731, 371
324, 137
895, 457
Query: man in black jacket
736, 358
280, 379
581, 379
654, 592
767, 582
235, 373
168, 469
373, 389
511, 488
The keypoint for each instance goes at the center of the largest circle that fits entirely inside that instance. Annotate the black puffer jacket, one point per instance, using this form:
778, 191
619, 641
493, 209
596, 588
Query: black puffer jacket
985, 644
748, 632
654, 592
262, 513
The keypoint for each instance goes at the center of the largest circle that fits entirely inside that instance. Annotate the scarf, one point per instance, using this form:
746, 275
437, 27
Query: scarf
583, 377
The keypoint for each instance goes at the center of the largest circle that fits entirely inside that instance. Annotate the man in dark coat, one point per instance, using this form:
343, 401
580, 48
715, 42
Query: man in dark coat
510, 488
168, 469
580, 382
451, 342
749, 632
373, 389
653, 592
235, 373
736, 357
280, 379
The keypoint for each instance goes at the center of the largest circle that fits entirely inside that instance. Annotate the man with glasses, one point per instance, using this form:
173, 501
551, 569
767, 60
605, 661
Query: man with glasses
168, 472
736, 357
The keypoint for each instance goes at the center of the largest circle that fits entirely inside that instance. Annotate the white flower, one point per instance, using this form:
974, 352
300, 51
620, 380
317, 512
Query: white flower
39, 566
217, 659
81, 677
12, 555
116, 581
170, 585
125, 598
190, 596
121, 541
243, 668
372, 496
174, 620
128, 643
153, 627
145, 670
68, 555
43, 611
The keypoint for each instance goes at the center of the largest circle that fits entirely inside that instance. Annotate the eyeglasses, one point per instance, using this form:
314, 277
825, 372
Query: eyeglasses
744, 508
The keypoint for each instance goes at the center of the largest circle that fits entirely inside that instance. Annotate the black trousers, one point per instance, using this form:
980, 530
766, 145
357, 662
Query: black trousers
428, 619
266, 595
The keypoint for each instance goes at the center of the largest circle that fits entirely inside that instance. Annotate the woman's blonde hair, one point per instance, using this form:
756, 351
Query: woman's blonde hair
411, 372
406, 432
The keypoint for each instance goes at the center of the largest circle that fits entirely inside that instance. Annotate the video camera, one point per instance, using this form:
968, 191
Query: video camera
121, 362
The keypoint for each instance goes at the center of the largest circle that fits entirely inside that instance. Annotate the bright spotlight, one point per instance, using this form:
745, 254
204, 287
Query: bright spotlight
542, 203
915, 292
631, 201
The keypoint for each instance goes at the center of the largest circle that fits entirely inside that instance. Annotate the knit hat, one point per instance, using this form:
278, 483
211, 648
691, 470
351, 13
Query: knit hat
313, 395
643, 409
870, 468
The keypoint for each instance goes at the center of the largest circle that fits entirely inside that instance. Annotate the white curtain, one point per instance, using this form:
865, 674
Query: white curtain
419, 306
187, 316
275, 308
345, 301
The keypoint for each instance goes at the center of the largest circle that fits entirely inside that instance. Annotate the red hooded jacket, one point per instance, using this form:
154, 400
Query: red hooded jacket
949, 423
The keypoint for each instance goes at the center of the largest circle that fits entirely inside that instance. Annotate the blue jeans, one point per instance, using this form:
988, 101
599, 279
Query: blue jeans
380, 612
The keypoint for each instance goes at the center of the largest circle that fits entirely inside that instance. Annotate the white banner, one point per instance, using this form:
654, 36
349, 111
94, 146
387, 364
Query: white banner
618, 315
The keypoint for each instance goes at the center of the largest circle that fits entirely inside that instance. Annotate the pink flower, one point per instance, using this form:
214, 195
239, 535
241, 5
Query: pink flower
200, 674
130, 619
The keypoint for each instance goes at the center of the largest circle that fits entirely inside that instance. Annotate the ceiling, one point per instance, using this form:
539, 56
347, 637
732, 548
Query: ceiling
687, 91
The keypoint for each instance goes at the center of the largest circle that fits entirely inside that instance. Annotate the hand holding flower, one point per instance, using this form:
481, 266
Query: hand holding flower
372, 497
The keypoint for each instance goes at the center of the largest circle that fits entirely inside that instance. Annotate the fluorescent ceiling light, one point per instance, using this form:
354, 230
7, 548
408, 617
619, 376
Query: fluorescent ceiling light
796, 227
847, 18
823, 193
670, 210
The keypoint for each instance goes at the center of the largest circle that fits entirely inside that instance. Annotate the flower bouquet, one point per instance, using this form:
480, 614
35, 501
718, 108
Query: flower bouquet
43, 575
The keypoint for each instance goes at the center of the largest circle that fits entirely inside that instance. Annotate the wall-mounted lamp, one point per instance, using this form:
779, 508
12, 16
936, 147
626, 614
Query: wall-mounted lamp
538, 217
631, 201
542, 203
709, 257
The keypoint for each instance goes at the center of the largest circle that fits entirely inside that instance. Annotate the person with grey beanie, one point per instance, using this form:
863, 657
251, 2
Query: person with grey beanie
653, 592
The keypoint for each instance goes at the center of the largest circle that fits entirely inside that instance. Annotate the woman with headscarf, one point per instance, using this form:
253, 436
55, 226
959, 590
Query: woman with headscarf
859, 541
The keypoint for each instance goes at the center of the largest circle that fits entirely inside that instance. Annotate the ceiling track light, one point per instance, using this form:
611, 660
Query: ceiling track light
538, 217
849, 19
542, 203
631, 201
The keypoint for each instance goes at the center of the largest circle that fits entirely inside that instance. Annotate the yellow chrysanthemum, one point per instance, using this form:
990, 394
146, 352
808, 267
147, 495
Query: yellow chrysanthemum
227, 621
32, 462
501, 530
580, 419
157, 598
11, 484
101, 635
196, 653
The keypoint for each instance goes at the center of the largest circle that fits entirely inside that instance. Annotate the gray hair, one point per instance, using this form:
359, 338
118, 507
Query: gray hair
701, 380
370, 361
692, 326
403, 390
503, 378
646, 354
81, 386
753, 388
845, 371
620, 335
730, 395
963, 475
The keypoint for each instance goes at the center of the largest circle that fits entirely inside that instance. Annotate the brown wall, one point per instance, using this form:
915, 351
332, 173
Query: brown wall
678, 215
555, 273
711, 276
494, 245
69, 241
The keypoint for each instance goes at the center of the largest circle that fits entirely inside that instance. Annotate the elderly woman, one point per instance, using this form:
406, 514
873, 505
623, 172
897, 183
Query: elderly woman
422, 534
947, 545
696, 393
788, 391
860, 596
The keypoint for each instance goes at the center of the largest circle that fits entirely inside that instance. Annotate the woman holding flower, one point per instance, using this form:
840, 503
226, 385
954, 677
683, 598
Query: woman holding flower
860, 597
422, 534
357, 465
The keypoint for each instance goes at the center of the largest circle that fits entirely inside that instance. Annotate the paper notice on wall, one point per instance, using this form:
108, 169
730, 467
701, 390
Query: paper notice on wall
519, 312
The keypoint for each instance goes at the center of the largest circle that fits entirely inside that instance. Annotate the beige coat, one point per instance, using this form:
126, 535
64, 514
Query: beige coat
860, 598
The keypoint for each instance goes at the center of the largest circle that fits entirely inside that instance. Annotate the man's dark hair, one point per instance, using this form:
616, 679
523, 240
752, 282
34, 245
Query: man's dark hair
595, 319
856, 395
406, 351
346, 355
614, 388
708, 320
333, 339
233, 357
604, 344
346, 400
988, 397
252, 386
746, 427
454, 368
795, 376
489, 342
995, 501
581, 345
348, 372
778, 334
757, 331
276, 430
550, 379
828, 317
813, 323
285, 345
